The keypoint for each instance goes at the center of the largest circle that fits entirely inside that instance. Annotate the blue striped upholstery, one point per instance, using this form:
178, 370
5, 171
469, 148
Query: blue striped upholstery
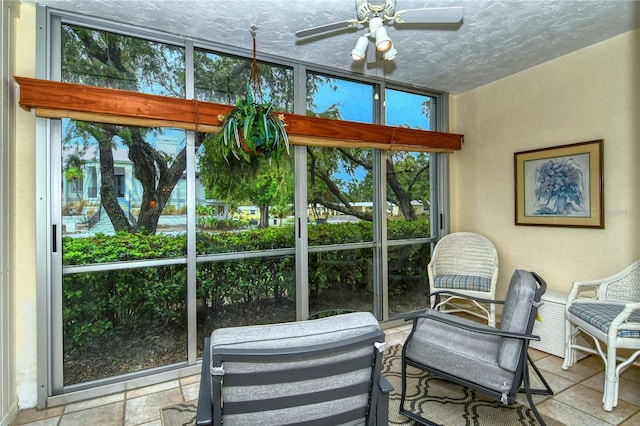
600, 315
463, 282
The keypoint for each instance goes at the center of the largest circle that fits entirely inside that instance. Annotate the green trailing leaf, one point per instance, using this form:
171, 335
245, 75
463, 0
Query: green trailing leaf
264, 133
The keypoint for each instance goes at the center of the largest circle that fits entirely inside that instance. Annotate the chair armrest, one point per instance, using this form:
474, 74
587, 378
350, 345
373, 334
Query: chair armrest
601, 285
382, 413
479, 330
621, 321
579, 289
463, 296
204, 414
385, 385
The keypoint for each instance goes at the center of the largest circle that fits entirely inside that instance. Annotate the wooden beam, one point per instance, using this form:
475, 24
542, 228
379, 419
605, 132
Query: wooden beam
54, 99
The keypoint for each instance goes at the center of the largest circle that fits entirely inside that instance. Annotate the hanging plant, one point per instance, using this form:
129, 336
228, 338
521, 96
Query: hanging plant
252, 129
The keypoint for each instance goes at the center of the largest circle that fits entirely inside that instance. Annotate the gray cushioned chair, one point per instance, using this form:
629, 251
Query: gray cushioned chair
607, 310
316, 372
476, 355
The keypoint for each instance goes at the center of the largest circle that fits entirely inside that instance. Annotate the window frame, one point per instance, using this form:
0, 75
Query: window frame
49, 260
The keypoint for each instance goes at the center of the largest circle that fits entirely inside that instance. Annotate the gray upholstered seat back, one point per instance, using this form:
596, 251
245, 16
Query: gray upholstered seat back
516, 317
268, 389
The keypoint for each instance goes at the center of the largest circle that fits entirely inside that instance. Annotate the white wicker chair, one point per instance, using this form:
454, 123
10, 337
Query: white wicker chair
465, 263
607, 310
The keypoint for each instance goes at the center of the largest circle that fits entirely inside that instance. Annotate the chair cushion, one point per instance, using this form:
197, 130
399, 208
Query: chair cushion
516, 316
294, 335
470, 356
463, 282
601, 315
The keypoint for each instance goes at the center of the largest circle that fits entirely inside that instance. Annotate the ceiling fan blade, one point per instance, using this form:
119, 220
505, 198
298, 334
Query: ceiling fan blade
326, 28
435, 15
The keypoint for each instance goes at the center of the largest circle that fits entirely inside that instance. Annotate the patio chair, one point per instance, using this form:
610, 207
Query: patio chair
477, 355
467, 263
608, 311
317, 372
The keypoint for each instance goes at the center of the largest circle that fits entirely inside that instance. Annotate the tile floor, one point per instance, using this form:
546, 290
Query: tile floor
577, 399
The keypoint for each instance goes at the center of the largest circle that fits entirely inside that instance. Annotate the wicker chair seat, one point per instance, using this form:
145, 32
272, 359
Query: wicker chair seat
601, 315
463, 282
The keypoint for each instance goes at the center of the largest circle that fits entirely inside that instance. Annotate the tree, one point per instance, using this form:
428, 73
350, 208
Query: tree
407, 179
261, 183
110, 60
257, 183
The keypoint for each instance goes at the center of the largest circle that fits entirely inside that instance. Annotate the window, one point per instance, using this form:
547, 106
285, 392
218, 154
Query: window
340, 200
163, 241
409, 177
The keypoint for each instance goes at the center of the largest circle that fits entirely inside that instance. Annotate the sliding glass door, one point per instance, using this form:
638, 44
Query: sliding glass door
158, 240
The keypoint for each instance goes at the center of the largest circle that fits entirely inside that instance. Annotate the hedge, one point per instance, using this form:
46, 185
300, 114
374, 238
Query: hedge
100, 303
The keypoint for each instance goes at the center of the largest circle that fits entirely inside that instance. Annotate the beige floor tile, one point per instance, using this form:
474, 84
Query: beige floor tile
557, 384
92, 403
32, 415
589, 401
536, 354
576, 373
397, 338
568, 415
52, 421
628, 390
190, 379
153, 389
147, 408
632, 373
407, 327
190, 392
153, 423
632, 421
592, 361
106, 415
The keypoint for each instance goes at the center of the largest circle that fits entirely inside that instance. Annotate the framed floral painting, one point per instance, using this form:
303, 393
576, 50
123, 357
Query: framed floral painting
560, 186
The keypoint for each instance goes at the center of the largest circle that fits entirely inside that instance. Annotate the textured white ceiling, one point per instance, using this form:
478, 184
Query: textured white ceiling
495, 39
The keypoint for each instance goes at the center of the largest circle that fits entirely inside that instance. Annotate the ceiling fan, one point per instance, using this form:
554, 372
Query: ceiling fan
374, 17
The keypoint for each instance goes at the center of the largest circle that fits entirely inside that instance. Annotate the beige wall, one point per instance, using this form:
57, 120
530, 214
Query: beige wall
24, 220
590, 94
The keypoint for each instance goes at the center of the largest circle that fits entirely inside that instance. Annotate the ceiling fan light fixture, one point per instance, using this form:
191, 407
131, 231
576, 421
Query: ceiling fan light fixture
383, 41
359, 51
390, 54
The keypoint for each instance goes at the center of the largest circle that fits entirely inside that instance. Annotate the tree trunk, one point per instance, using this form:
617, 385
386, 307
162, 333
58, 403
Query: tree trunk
156, 177
403, 199
108, 194
264, 216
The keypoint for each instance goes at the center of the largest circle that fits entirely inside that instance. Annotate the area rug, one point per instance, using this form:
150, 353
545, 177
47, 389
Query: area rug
446, 403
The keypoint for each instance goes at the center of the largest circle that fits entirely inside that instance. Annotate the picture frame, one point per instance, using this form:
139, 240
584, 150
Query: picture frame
560, 186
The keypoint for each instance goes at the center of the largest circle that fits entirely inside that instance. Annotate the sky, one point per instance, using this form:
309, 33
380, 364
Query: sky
356, 104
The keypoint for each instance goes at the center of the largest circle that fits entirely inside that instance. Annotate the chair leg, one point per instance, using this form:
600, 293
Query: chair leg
492, 315
569, 352
610, 397
403, 394
532, 405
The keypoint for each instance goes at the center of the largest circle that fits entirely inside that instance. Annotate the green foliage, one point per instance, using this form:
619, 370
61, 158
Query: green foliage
252, 129
97, 304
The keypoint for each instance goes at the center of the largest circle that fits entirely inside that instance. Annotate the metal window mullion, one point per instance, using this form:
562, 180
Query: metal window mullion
380, 270
49, 280
440, 176
192, 322
300, 201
